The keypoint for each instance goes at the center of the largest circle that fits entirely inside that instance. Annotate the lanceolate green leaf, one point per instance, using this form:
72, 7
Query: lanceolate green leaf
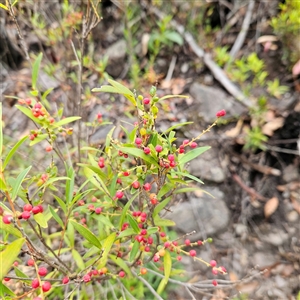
167, 270
12, 151
38, 139
106, 248
163, 222
26, 111
56, 217
160, 206
66, 121
176, 126
95, 180
4, 290
192, 154
121, 263
139, 154
70, 184
133, 223
9, 228
87, 234
9, 255
78, 259
124, 211
190, 176
18, 183
42, 219
35, 70
134, 251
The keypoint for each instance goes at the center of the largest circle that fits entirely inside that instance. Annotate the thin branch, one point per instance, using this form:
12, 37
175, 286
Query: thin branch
242, 35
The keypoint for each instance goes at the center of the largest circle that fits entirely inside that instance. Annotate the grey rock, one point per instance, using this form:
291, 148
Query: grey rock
276, 237
209, 100
207, 167
208, 216
264, 259
290, 173
117, 50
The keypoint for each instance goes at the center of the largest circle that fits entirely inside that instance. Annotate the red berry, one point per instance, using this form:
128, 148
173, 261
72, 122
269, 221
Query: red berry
214, 282
101, 164
181, 150
158, 148
86, 278
194, 145
15, 264
119, 194
143, 215
150, 240
46, 286
147, 150
147, 187
119, 181
147, 249
193, 253
156, 258
213, 263
49, 148
126, 173
37, 105
200, 243
6, 279
42, 271
35, 283
223, 269
179, 258
65, 280
95, 272
98, 210
146, 101
144, 232
135, 184
167, 244
25, 215
138, 141
172, 164
7, 219
27, 207
122, 274
28, 101
41, 208
30, 262
36, 210
187, 242
162, 234
221, 113
185, 142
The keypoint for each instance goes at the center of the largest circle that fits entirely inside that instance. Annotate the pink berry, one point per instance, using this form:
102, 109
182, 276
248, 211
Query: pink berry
172, 164
147, 150
48, 148
35, 210
126, 173
146, 101
101, 164
185, 142
156, 258
119, 181
25, 215
138, 141
122, 274
46, 286
214, 282
30, 262
167, 244
158, 148
7, 219
193, 253
150, 240
119, 194
95, 272
98, 210
213, 263
171, 157
143, 215
187, 242
162, 234
200, 243
135, 184
194, 145
27, 207
221, 113
35, 283
179, 258
65, 280
86, 278
41, 208
181, 150
144, 232
147, 187
214, 271
223, 269
42, 271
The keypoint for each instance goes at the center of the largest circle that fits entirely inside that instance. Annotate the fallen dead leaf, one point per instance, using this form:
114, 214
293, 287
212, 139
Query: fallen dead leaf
271, 206
273, 125
247, 287
296, 68
234, 132
233, 276
219, 295
267, 38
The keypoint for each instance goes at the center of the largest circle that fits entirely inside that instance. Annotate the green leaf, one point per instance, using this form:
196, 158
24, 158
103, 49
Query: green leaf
164, 190
190, 176
56, 217
4, 290
35, 70
78, 259
176, 126
134, 250
174, 37
95, 180
38, 139
13, 150
70, 184
126, 232
87, 234
125, 209
106, 248
192, 154
3, 6
26, 111
1, 136
9, 228
121, 263
108, 139
172, 96
41, 219
18, 182
2, 185
133, 223
160, 206
61, 203
163, 222
167, 270
19, 273
9, 255
151, 230
66, 121
139, 154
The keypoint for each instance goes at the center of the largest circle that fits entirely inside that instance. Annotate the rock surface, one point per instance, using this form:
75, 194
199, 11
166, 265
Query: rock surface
207, 215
